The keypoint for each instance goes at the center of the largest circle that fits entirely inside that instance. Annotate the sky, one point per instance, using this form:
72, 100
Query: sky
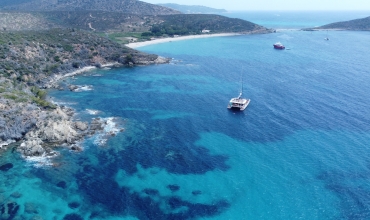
241, 5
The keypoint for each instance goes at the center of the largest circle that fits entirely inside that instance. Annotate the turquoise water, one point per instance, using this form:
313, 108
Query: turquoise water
299, 151
296, 19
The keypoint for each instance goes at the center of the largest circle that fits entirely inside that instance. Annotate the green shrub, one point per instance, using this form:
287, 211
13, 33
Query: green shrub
39, 93
67, 48
10, 96
42, 103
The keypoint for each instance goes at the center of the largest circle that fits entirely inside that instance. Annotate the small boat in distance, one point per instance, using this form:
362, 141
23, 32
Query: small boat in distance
279, 45
239, 103
326, 38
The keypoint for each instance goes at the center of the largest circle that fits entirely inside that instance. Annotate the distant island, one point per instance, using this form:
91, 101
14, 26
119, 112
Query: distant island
193, 9
362, 24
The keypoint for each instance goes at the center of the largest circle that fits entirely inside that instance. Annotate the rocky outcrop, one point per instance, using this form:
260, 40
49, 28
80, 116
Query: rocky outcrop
32, 147
56, 128
143, 60
37, 129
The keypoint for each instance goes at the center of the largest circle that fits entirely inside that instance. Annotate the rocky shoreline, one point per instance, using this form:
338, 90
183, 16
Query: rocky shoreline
34, 131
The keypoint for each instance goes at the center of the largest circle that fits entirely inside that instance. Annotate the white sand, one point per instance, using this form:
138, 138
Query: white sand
169, 39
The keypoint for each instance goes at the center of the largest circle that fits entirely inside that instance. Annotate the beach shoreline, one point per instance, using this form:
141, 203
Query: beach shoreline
54, 81
180, 38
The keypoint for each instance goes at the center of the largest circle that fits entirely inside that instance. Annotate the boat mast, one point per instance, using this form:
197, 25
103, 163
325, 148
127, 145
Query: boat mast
241, 91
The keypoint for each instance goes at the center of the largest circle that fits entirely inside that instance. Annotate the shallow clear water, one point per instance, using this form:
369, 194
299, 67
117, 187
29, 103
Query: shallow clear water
299, 151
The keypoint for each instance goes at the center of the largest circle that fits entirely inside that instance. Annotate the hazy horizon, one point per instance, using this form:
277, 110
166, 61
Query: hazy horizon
271, 5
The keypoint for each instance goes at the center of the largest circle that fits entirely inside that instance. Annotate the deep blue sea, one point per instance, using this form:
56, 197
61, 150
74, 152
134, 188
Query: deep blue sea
299, 151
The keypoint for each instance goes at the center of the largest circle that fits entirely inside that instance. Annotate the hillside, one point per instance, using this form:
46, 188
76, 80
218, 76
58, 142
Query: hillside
12, 2
35, 56
125, 6
362, 24
117, 22
193, 9
184, 24
15, 21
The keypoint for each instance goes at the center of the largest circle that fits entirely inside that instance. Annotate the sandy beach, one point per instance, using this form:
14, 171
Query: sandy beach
170, 39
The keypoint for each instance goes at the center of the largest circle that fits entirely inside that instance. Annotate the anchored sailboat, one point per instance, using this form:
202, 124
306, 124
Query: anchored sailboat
326, 38
239, 103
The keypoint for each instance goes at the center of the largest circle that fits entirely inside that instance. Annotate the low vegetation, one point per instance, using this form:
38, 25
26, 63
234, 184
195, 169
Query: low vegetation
34, 56
196, 23
126, 6
357, 24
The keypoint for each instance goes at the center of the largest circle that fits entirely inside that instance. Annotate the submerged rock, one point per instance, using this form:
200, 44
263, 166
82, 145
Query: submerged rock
30, 208
6, 167
76, 148
16, 195
72, 87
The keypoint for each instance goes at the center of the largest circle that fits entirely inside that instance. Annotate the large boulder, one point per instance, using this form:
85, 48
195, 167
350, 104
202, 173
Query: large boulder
32, 147
82, 126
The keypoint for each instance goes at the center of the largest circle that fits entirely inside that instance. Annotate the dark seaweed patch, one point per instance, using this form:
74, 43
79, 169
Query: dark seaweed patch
196, 192
73, 205
62, 184
9, 209
151, 192
6, 167
185, 160
72, 216
100, 188
353, 195
173, 188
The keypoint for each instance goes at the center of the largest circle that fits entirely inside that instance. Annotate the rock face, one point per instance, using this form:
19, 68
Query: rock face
32, 147
82, 126
143, 60
15, 119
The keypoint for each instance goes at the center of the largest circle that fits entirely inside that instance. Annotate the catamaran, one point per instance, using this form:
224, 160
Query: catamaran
239, 103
